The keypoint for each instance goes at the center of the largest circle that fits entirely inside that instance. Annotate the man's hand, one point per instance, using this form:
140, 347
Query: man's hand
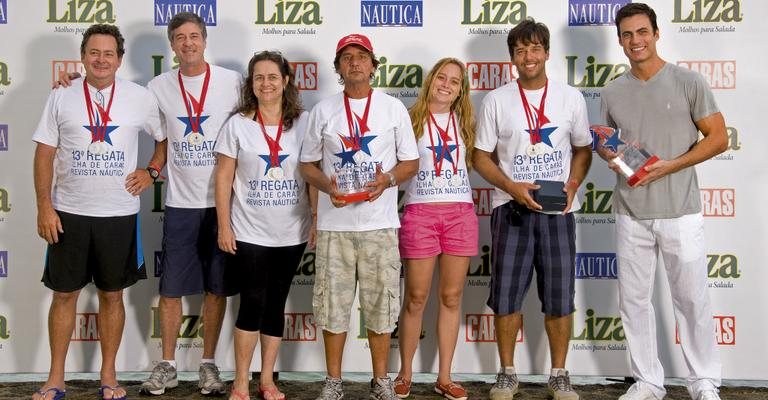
521, 192
137, 181
379, 185
657, 170
65, 79
571, 188
49, 225
226, 239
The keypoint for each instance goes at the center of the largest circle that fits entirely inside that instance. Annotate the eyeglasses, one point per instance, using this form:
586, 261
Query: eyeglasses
99, 98
360, 57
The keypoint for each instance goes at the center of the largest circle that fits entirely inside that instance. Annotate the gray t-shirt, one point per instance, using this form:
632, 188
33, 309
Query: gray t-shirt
659, 114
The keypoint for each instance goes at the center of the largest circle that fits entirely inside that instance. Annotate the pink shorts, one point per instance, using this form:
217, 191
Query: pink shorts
430, 229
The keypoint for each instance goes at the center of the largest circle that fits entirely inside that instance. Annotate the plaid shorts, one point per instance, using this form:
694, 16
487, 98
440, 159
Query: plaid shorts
525, 241
343, 259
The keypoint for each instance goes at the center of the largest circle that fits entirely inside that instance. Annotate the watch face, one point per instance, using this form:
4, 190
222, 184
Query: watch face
153, 173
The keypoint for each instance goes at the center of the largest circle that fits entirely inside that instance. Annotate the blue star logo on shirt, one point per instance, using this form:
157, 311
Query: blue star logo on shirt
443, 151
268, 160
98, 126
347, 156
545, 132
188, 122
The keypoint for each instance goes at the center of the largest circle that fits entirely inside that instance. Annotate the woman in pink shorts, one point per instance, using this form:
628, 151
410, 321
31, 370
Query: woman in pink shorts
439, 222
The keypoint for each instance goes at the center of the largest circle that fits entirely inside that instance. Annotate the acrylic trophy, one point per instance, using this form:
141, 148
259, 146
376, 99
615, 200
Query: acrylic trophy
630, 157
351, 183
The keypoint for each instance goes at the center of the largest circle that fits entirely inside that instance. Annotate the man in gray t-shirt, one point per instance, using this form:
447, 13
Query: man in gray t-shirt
663, 107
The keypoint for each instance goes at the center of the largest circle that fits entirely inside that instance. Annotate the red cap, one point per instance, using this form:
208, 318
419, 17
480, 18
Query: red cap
354, 38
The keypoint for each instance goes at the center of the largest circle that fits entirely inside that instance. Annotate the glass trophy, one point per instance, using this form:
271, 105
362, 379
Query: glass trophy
351, 183
630, 156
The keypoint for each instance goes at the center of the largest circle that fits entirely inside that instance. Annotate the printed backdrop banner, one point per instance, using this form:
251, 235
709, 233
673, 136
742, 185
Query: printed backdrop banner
41, 39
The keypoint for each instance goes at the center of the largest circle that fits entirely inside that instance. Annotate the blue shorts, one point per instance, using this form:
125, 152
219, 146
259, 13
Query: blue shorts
105, 250
523, 242
191, 261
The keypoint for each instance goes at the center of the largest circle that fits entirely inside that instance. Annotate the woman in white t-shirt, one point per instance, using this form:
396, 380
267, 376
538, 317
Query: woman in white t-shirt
263, 209
439, 222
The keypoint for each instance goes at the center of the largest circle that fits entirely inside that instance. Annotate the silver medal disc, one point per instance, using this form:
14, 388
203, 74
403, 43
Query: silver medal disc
195, 138
97, 147
359, 157
531, 150
439, 182
275, 173
456, 180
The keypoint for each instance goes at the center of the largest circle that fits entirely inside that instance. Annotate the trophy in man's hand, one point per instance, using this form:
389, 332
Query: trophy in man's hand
631, 158
351, 183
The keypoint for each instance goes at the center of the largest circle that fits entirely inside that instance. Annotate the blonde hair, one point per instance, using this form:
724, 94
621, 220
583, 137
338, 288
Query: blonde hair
461, 106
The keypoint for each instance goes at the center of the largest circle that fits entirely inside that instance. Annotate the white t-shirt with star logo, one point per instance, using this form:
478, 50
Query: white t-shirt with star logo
190, 165
389, 138
88, 183
421, 188
502, 126
266, 211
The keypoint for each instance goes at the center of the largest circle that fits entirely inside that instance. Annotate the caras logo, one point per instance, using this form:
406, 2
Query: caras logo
305, 75
481, 328
81, 11
593, 12
3, 264
3, 11
3, 137
719, 74
483, 199
718, 202
596, 266
300, 327
289, 12
391, 12
59, 67
86, 328
725, 330
489, 75
166, 9
494, 12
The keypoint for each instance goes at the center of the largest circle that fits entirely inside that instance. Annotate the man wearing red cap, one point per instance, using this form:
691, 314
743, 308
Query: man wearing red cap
358, 132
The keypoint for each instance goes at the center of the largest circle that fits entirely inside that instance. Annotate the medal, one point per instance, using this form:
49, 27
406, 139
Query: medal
439, 182
536, 147
356, 135
541, 148
456, 180
275, 173
195, 139
196, 136
98, 131
530, 150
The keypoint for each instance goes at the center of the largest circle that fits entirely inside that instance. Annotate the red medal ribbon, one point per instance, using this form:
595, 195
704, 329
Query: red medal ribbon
541, 120
98, 133
445, 138
194, 120
354, 141
274, 144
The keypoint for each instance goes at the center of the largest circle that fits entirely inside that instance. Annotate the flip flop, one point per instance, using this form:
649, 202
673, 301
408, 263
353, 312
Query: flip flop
58, 394
240, 395
113, 389
272, 391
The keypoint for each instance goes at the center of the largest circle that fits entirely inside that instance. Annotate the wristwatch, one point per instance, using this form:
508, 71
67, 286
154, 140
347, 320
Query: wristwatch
153, 173
392, 180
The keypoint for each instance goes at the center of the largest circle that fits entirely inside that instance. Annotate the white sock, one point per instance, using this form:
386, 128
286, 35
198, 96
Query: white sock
509, 370
208, 360
172, 362
557, 371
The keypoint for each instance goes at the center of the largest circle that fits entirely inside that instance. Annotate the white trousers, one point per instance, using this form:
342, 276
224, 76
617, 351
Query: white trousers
681, 243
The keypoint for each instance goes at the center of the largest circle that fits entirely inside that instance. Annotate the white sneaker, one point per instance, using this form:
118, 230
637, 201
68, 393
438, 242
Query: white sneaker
708, 395
638, 392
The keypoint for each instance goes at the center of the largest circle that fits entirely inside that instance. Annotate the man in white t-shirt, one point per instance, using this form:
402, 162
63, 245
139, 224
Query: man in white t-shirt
194, 101
365, 132
85, 166
539, 131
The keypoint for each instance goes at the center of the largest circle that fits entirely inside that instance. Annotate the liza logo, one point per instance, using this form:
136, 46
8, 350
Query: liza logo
593, 74
597, 328
300, 327
81, 11
494, 12
481, 328
289, 12
191, 326
707, 11
86, 328
489, 75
